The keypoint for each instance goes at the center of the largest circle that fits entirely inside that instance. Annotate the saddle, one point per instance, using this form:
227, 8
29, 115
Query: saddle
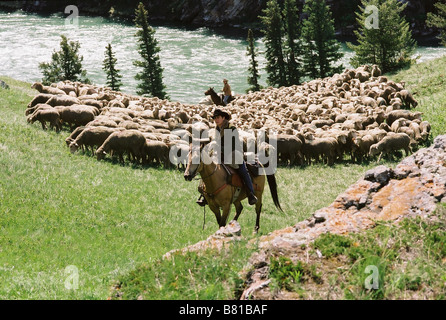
234, 178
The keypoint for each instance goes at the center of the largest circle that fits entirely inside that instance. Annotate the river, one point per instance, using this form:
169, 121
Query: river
193, 59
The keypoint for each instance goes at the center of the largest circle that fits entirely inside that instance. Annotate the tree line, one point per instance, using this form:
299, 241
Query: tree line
298, 46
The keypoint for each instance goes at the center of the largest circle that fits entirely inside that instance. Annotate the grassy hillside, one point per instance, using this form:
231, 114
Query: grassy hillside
60, 210
72, 226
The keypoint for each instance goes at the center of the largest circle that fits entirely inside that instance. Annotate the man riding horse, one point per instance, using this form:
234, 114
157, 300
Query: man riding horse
230, 155
226, 92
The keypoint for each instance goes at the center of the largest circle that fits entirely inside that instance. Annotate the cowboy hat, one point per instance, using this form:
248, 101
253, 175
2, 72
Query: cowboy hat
219, 112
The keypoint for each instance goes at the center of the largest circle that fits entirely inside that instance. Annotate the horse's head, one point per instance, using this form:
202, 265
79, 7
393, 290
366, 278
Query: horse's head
194, 159
209, 91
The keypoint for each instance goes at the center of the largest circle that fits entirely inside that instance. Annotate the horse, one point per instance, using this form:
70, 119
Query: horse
217, 99
218, 192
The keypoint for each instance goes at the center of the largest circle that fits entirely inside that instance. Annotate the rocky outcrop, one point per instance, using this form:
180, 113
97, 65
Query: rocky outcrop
412, 189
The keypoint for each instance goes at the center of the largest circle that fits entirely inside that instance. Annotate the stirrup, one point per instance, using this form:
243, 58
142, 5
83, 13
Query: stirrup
201, 201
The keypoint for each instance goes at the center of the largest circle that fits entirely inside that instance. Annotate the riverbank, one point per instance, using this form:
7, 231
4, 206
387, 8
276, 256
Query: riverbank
226, 16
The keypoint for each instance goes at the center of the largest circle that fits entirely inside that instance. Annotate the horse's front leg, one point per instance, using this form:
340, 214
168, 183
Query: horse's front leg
258, 211
226, 210
216, 210
238, 209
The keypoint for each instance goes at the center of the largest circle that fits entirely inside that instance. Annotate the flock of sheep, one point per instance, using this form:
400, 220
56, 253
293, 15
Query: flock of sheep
359, 114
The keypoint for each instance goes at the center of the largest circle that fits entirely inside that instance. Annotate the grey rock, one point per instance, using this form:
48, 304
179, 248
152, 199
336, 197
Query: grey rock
233, 229
440, 142
320, 216
3, 85
380, 174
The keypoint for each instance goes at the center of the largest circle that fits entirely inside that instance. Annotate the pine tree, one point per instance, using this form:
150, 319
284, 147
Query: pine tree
109, 66
438, 20
66, 64
390, 45
151, 76
253, 78
273, 33
321, 51
292, 44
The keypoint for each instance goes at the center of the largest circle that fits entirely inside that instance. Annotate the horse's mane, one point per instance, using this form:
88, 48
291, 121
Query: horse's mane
208, 153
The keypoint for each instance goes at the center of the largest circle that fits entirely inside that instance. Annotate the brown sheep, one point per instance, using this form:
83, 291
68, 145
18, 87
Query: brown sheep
40, 98
46, 115
369, 101
385, 94
390, 144
93, 102
74, 135
130, 141
362, 76
76, 116
45, 89
396, 114
38, 106
376, 71
324, 147
102, 121
407, 99
289, 149
157, 151
63, 101
183, 116
91, 137
66, 87
361, 147
425, 128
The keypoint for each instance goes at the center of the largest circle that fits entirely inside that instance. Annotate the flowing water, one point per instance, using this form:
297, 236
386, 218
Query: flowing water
193, 60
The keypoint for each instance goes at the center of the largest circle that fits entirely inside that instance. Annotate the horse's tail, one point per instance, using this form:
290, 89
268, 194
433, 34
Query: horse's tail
273, 189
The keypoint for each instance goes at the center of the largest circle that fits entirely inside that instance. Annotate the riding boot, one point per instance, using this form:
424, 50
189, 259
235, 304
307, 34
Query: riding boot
243, 172
201, 201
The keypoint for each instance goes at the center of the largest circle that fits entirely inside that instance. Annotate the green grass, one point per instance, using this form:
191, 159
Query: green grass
409, 258
114, 222
190, 276
289, 275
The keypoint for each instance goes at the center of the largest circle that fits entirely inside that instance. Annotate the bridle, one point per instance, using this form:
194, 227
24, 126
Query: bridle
215, 170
